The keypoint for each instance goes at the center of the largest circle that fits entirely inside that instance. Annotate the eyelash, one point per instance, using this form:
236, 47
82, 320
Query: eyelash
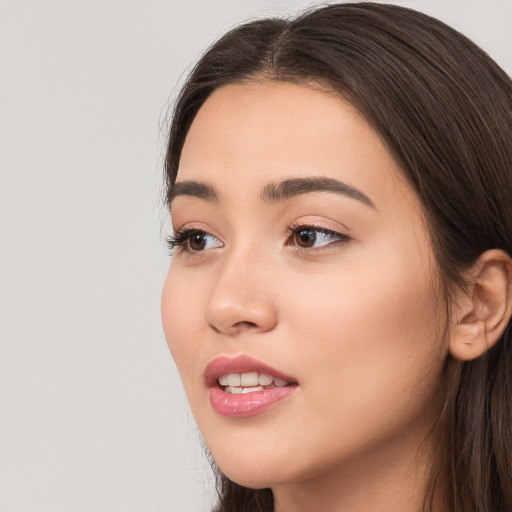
180, 240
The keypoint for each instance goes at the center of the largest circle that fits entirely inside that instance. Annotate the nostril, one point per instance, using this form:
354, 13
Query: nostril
237, 327
245, 325
217, 331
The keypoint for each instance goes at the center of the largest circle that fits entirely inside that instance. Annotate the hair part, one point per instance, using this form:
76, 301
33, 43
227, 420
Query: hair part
444, 110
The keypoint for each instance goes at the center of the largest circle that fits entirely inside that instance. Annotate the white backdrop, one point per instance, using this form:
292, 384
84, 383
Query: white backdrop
92, 414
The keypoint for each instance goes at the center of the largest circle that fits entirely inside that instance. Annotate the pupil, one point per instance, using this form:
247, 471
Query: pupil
197, 241
307, 238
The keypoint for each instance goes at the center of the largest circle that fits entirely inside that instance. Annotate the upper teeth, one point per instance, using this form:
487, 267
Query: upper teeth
250, 379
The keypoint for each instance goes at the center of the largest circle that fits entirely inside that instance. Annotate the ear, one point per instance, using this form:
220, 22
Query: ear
485, 309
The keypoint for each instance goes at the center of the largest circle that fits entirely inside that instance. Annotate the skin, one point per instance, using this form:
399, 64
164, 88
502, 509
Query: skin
355, 321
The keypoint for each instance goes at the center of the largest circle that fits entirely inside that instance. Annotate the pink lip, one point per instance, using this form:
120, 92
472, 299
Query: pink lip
248, 404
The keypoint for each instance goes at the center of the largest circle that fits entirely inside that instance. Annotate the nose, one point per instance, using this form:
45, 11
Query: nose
241, 298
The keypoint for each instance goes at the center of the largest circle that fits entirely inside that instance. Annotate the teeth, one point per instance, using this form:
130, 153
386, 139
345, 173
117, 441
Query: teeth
241, 391
265, 380
234, 379
239, 382
251, 389
249, 379
234, 390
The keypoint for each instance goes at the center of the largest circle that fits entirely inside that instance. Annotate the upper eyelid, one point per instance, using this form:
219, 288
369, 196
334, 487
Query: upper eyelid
320, 221
292, 228
188, 231
328, 232
321, 228
192, 227
314, 228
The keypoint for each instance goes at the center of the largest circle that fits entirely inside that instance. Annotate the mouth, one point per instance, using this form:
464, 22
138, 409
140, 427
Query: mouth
241, 383
242, 386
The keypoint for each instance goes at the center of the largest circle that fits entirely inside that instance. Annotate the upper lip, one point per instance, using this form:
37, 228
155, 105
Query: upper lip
224, 365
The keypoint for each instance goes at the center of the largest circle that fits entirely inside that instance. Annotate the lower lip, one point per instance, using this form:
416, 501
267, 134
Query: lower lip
247, 404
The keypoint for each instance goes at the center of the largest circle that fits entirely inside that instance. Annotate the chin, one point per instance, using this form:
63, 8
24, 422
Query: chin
250, 468
252, 475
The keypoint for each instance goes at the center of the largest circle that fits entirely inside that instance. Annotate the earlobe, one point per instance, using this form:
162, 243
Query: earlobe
469, 340
486, 310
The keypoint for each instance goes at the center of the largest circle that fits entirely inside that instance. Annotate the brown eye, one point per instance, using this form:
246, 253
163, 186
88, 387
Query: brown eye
305, 238
311, 237
197, 241
193, 240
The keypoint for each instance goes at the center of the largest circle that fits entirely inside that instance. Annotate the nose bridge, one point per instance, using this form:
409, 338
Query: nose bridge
241, 297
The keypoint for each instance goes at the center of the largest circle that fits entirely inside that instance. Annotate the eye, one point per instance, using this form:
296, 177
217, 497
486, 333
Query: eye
312, 237
193, 240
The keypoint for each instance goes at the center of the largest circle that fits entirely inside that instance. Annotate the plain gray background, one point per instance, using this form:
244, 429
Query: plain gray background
92, 413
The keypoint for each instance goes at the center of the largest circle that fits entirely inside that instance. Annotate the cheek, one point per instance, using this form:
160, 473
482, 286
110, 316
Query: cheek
370, 338
362, 296
367, 351
181, 315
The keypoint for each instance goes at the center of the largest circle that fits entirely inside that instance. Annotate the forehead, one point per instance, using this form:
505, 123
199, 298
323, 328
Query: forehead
248, 135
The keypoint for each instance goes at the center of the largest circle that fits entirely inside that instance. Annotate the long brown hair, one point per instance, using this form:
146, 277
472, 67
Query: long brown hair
444, 109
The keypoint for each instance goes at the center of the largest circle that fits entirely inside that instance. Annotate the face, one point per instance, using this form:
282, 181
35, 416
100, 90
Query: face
300, 305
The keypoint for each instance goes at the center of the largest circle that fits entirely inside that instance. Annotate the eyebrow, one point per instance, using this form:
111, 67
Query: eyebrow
297, 186
194, 189
272, 192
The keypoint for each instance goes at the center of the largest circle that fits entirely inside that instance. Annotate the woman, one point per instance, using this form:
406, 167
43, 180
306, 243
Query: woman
339, 299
